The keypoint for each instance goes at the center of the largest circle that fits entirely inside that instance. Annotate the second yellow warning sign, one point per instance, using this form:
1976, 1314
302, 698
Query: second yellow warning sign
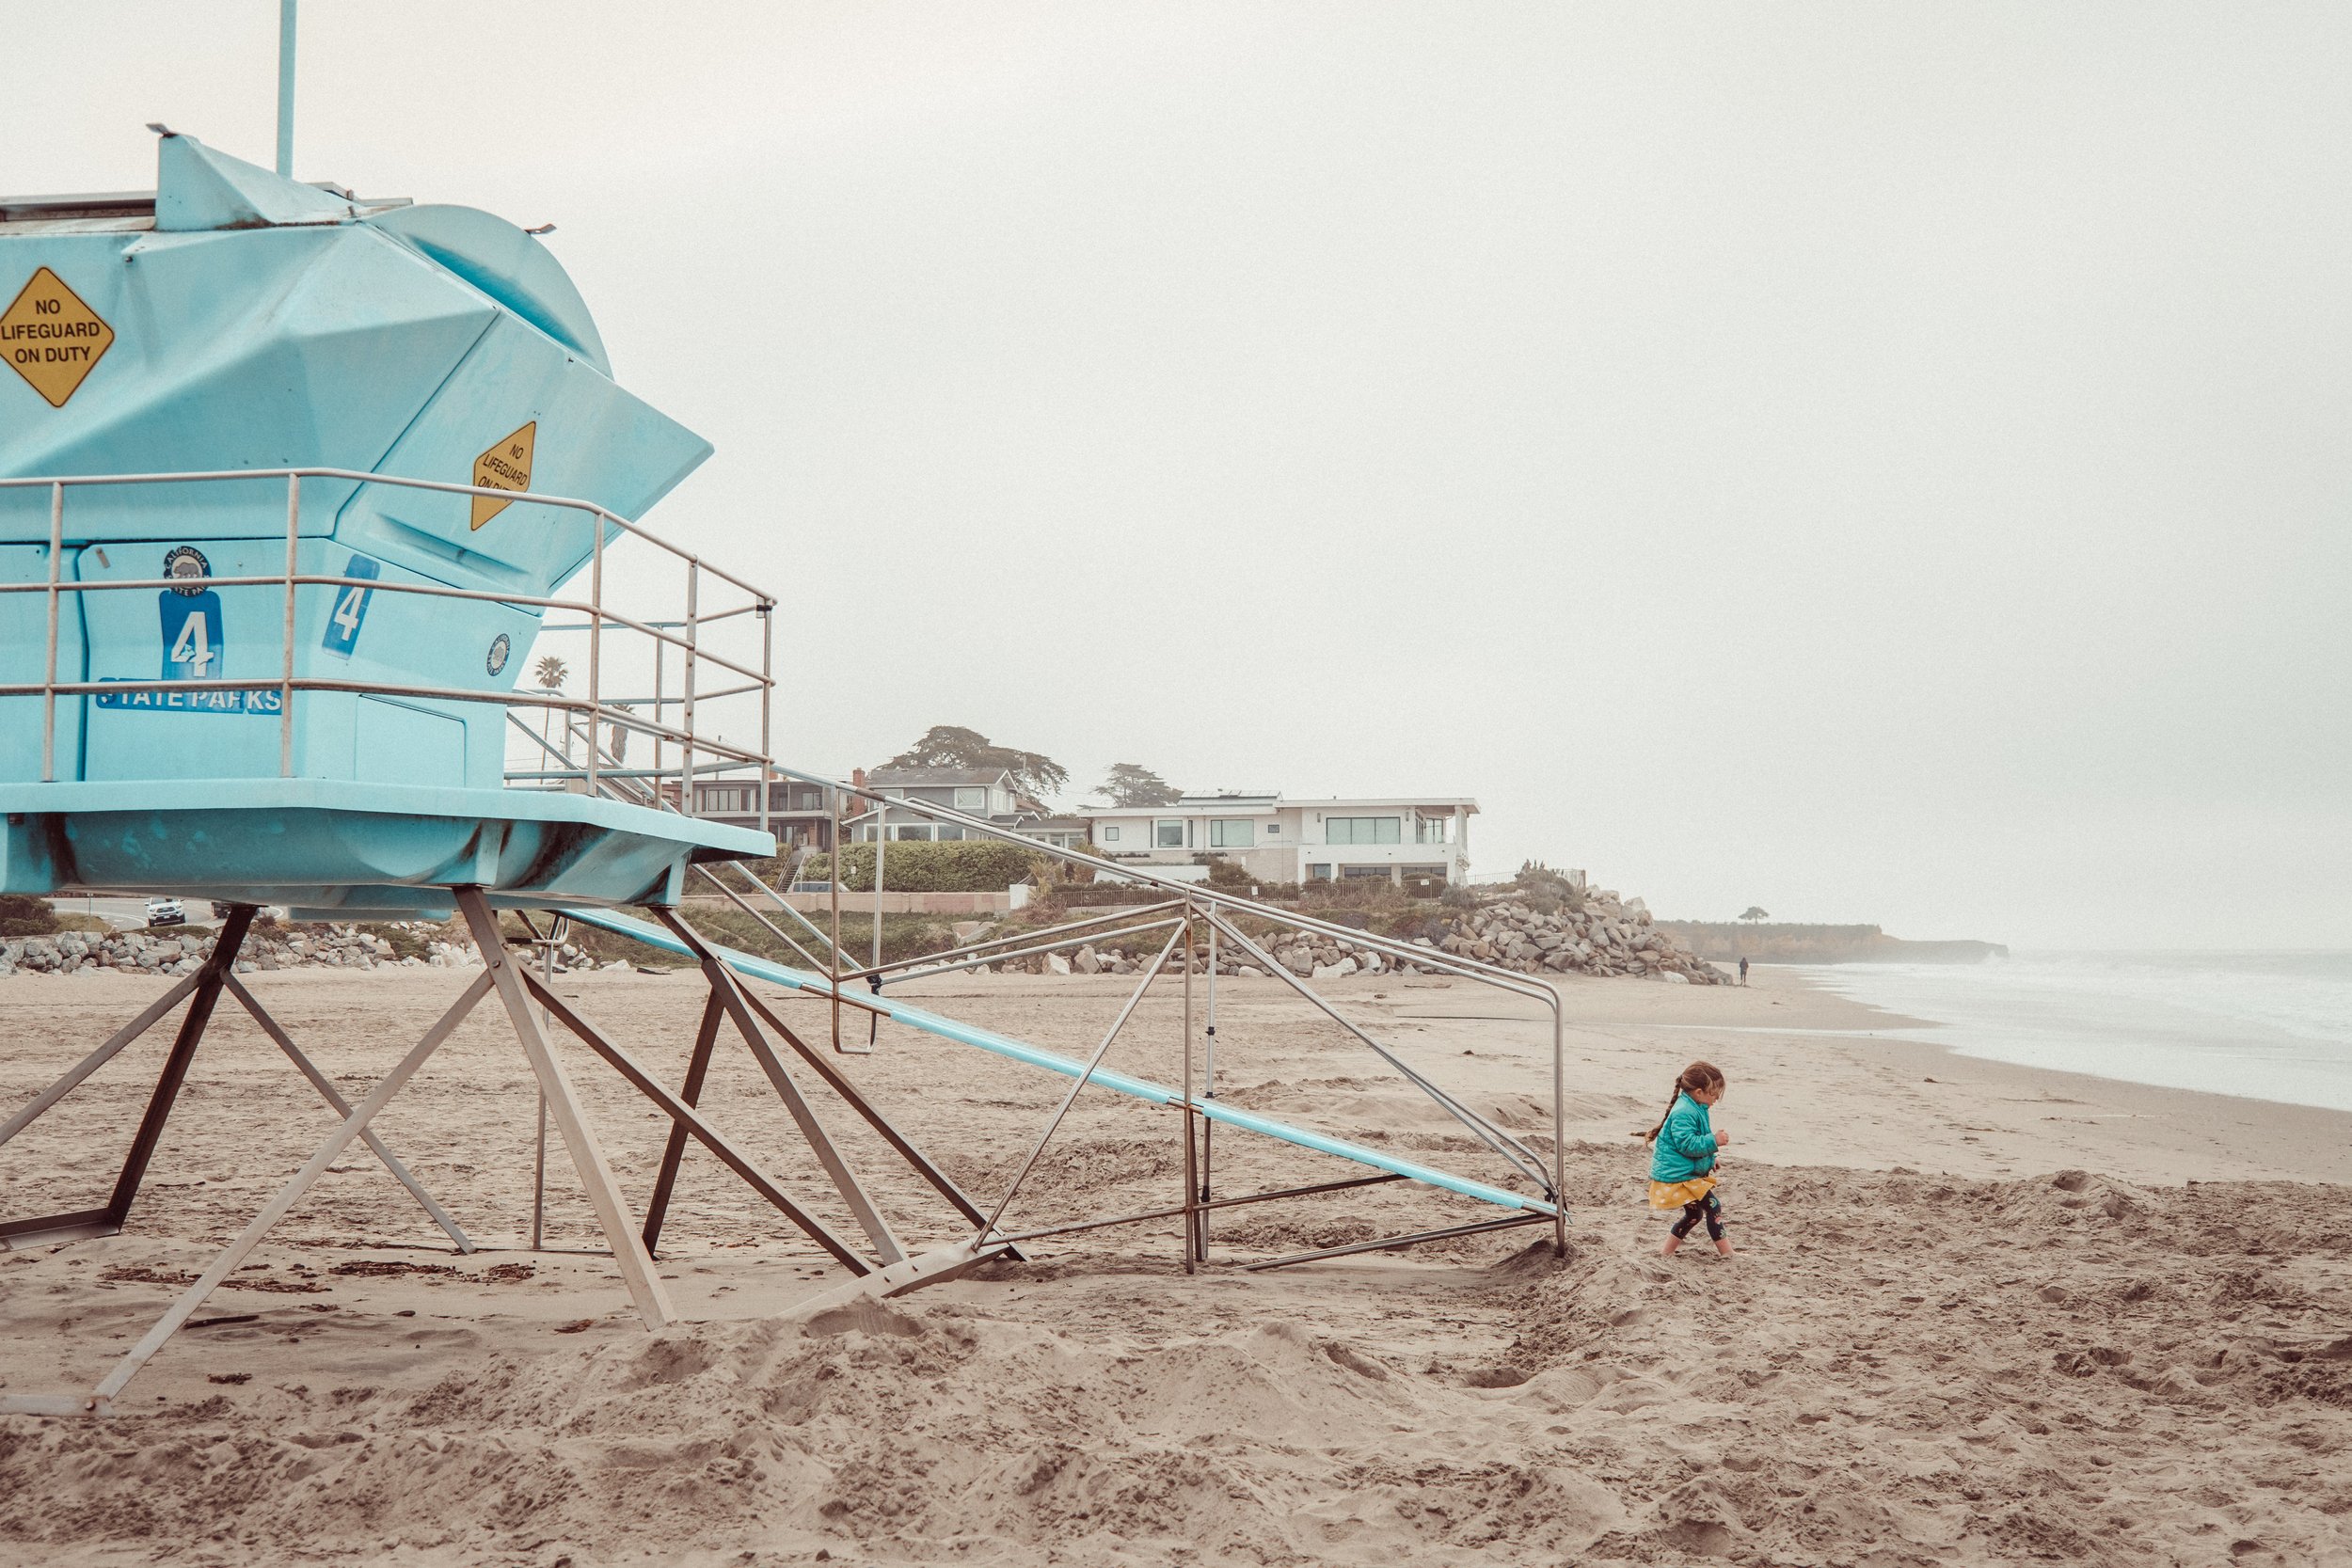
505, 466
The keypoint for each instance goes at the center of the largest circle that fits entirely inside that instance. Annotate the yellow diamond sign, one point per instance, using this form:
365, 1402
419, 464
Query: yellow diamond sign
505, 466
51, 339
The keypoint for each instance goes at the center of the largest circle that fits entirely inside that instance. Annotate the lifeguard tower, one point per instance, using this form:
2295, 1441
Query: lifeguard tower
291, 481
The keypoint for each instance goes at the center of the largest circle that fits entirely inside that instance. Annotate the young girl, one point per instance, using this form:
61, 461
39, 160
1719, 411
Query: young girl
1685, 1142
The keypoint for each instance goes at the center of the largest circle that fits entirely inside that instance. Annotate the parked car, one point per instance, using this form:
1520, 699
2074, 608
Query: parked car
165, 911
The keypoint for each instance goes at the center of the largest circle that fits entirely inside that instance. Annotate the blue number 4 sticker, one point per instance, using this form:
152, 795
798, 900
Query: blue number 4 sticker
194, 649
351, 609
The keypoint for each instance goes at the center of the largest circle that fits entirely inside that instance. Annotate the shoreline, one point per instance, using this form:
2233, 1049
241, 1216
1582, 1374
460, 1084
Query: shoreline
2268, 1027
1827, 1079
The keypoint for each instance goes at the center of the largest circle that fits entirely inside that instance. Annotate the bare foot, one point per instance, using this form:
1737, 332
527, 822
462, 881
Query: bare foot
1674, 1245
1722, 1247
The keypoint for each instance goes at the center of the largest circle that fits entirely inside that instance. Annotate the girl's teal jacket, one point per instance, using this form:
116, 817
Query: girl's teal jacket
1686, 1145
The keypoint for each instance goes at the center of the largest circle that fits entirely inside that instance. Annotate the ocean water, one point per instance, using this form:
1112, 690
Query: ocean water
2268, 1025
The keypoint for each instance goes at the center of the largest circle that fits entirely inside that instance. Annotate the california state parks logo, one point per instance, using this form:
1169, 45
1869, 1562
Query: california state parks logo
187, 568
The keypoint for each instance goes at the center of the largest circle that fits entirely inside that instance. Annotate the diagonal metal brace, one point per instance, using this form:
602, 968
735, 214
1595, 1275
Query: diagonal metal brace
202, 990
989, 1225
689, 1118
674, 1146
1519, 1154
341, 1107
835, 1079
96, 1059
185, 1306
728, 993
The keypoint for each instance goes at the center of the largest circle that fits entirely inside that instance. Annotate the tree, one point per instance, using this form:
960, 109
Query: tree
551, 673
1756, 914
948, 746
1131, 785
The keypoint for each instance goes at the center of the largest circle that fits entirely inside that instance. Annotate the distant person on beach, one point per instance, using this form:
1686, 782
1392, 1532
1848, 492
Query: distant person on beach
1682, 1157
1743, 970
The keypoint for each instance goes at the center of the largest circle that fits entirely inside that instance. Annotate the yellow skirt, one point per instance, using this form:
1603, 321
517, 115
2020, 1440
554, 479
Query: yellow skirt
1674, 1195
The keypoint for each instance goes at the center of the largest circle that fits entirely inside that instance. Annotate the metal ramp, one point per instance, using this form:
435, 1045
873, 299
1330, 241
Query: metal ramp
1225, 1114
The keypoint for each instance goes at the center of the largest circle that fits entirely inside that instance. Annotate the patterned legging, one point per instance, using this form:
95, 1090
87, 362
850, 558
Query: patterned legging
1709, 1209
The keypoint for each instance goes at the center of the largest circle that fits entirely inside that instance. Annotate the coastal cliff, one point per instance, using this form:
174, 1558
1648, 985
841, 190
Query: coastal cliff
1727, 942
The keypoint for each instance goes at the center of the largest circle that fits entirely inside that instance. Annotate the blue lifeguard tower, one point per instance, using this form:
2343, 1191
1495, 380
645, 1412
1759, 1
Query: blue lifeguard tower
290, 482
260, 625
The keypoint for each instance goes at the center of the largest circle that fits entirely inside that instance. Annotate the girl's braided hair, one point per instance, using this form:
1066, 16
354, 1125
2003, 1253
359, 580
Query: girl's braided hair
1696, 1079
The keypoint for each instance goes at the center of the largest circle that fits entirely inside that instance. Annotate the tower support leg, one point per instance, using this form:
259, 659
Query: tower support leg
202, 990
579, 1140
690, 1093
192, 1025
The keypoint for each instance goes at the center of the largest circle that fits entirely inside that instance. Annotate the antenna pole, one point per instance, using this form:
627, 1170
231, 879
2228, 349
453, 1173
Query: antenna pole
285, 88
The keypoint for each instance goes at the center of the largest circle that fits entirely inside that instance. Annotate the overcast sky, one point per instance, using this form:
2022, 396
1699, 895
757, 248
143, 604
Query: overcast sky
1883, 463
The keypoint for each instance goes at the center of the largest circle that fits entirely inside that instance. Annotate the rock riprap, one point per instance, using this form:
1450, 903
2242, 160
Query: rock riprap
287, 947
1607, 935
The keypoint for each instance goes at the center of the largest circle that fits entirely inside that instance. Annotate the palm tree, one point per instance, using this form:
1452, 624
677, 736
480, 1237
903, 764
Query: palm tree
551, 673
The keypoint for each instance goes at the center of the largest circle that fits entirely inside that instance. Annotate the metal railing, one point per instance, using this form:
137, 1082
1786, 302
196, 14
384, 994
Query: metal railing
690, 734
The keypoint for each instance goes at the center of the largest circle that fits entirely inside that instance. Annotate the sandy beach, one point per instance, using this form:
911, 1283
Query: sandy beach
1981, 1314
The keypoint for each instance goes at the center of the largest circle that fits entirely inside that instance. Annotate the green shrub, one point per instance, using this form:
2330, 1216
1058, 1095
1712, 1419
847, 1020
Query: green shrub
407, 940
23, 915
969, 865
1546, 890
1079, 872
1413, 923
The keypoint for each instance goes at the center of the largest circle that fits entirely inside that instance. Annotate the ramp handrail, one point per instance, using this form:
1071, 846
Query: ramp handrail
1207, 903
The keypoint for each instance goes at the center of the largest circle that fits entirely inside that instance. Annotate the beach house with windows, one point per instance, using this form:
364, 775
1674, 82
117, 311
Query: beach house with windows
1420, 841
988, 793
797, 813
985, 792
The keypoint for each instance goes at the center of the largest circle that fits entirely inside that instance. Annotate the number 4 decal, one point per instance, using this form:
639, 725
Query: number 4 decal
350, 609
193, 647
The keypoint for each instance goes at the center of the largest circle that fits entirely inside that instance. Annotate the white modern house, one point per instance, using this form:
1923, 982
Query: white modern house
1416, 839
